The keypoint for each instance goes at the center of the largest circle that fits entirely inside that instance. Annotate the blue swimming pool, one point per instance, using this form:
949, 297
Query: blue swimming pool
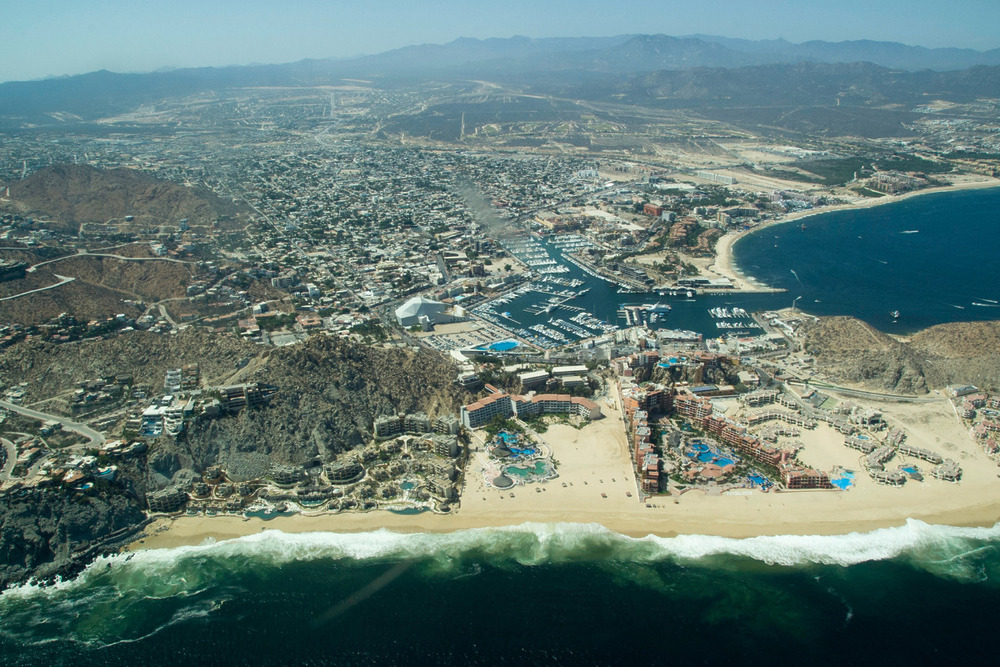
910, 470
706, 457
699, 447
844, 482
501, 346
723, 462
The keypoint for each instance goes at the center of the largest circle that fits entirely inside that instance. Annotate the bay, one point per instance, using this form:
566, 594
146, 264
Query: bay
934, 258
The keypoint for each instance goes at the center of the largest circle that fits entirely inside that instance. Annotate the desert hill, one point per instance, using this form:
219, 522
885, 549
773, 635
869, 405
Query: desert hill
330, 391
957, 353
69, 195
102, 287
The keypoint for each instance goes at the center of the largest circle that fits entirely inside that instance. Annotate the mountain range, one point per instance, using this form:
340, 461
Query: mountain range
694, 71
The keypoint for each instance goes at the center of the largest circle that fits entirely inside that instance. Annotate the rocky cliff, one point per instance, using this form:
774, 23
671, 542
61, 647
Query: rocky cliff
49, 533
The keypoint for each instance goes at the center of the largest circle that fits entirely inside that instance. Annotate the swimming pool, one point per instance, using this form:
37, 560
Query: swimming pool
845, 482
408, 510
538, 470
501, 346
706, 457
723, 462
700, 448
758, 480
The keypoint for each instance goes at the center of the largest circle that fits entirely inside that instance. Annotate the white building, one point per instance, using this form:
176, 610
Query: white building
418, 308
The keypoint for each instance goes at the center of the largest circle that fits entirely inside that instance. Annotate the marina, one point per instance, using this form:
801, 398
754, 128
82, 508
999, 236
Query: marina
565, 302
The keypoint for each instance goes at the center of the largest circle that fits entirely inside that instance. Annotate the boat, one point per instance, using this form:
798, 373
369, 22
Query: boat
894, 314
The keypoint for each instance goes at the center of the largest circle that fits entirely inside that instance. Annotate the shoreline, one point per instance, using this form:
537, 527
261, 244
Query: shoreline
174, 532
725, 266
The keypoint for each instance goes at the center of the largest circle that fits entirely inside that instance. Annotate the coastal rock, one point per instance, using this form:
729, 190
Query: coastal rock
47, 533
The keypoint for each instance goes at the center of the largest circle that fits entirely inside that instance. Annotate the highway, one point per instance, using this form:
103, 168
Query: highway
96, 439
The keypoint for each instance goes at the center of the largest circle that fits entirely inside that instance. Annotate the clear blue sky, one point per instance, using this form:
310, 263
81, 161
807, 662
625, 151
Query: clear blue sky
56, 37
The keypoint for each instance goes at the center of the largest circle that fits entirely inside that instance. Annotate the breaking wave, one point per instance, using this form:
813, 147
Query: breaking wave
133, 597
183, 570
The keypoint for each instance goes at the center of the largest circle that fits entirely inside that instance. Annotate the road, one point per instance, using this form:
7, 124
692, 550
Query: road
166, 316
84, 253
95, 438
8, 465
872, 394
62, 281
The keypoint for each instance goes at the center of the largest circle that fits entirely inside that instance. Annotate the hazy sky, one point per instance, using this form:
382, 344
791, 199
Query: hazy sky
54, 37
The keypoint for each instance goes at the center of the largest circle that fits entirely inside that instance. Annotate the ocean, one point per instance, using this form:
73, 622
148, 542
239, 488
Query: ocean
582, 594
933, 258
562, 594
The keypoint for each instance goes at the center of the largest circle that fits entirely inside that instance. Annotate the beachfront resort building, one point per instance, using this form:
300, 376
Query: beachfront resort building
167, 500
486, 409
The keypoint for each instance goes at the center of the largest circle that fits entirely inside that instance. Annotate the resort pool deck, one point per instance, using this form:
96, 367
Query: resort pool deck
409, 510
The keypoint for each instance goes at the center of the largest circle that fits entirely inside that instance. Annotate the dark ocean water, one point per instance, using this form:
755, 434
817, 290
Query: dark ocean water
933, 258
563, 594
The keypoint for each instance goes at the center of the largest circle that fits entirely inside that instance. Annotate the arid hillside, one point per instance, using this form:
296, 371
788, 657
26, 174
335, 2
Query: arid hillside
67, 196
961, 352
51, 369
101, 286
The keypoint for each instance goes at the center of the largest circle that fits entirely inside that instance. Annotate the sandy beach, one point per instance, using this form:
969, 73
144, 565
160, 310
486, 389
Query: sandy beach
594, 461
